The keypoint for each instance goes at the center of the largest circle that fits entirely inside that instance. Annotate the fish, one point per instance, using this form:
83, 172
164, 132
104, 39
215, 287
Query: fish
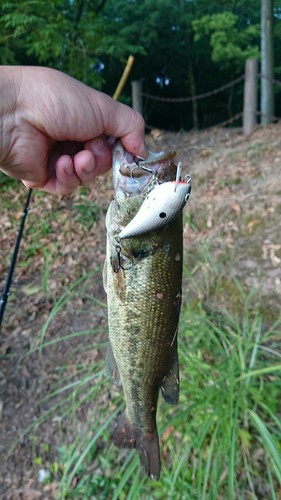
143, 282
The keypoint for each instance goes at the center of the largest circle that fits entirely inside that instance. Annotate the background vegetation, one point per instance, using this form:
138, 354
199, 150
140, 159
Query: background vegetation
182, 47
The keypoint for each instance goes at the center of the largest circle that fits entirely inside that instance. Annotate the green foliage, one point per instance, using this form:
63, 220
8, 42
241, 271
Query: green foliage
61, 34
230, 45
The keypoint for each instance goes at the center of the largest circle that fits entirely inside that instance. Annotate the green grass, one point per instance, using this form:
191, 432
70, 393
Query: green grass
221, 441
6, 183
86, 212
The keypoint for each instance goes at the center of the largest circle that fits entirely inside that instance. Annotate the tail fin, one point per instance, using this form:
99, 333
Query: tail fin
147, 444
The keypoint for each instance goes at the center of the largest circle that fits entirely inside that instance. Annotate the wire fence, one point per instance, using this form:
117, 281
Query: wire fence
190, 99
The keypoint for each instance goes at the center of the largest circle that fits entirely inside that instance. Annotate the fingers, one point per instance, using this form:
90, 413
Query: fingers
94, 160
70, 170
63, 179
71, 145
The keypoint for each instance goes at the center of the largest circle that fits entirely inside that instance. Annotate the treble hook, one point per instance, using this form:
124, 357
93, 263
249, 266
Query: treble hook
137, 160
117, 266
132, 174
178, 175
187, 178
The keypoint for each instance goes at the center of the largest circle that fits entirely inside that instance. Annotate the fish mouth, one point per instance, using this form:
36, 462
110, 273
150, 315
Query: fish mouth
134, 175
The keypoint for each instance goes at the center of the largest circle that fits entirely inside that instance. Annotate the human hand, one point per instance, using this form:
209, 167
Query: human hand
53, 129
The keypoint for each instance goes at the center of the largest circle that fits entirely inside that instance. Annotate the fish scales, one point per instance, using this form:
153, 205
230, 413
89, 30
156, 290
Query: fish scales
143, 285
143, 326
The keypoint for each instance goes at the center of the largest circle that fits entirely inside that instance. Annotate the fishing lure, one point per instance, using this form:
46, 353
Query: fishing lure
162, 205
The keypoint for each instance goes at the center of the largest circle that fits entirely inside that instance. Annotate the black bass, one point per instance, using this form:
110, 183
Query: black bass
143, 281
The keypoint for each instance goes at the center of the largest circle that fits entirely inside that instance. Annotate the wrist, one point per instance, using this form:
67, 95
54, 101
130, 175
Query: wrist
10, 77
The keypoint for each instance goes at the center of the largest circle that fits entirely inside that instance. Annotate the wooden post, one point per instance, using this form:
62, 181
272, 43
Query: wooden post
267, 95
137, 96
250, 96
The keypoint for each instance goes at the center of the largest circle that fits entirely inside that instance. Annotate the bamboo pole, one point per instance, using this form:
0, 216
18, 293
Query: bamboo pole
124, 77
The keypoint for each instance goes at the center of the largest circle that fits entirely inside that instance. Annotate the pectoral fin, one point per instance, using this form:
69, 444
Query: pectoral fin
170, 383
112, 368
104, 276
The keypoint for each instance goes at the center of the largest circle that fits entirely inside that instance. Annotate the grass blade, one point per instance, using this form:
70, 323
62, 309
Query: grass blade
269, 443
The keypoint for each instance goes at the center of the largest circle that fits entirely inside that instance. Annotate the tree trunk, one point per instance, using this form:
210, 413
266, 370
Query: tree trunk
267, 98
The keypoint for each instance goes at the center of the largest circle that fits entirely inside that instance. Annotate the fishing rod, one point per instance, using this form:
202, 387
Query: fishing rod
6, 289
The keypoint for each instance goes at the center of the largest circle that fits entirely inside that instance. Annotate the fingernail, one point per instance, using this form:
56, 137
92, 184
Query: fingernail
68, 169
88, 169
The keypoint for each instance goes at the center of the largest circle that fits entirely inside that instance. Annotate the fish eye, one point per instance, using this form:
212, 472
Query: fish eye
162, 215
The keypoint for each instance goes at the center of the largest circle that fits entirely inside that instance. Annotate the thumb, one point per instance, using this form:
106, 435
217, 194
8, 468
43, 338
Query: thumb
123, 122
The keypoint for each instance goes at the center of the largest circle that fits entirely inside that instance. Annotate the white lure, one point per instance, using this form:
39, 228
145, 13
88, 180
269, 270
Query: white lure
161, 206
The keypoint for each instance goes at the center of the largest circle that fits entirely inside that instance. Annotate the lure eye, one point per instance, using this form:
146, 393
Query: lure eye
162, 215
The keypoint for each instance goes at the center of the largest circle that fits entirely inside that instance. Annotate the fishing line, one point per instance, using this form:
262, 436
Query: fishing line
6, 289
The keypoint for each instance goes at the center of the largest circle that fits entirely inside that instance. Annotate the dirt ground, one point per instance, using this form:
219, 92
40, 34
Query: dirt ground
234, 210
